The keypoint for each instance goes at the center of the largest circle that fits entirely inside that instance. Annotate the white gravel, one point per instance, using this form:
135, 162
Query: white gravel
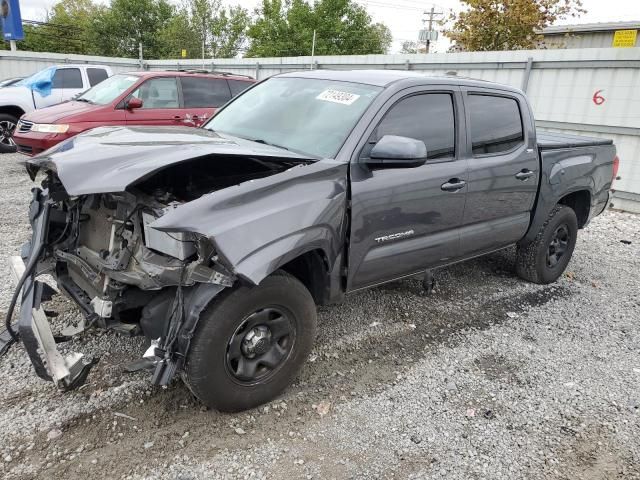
490, 377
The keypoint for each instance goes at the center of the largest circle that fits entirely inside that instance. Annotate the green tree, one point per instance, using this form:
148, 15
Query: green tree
342, 27
120, 28
506, 24
223, 30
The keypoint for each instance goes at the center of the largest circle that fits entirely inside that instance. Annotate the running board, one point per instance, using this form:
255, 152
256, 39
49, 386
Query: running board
66, 373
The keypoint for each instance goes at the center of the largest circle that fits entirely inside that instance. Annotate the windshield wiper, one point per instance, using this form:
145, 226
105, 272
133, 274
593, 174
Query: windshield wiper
264, 142
83, 100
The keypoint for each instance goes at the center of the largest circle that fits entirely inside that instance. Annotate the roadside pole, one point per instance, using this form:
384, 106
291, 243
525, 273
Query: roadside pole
14, 47
313, 50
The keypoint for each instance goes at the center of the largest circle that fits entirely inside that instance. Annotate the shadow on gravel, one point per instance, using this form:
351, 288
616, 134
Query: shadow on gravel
471, 296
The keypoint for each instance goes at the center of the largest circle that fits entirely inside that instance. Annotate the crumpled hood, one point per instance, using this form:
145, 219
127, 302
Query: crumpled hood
65, 110
109, 159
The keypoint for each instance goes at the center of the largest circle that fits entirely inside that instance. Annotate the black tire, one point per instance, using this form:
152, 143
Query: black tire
7, 122
213, 370
542, 261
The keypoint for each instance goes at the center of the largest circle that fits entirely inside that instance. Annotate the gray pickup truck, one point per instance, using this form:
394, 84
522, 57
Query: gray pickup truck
218, 243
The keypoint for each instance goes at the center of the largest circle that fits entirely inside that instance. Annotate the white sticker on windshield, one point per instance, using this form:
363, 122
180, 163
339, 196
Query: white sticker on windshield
336, 96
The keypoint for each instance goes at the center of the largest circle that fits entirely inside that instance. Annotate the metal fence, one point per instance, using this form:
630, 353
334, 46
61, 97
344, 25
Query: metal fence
591, 91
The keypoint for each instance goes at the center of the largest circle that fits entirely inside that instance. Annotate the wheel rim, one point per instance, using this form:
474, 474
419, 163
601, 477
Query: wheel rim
260, 345
558, 245
6, 132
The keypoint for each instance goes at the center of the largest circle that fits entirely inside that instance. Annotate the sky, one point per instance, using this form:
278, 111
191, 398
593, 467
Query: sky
404, 17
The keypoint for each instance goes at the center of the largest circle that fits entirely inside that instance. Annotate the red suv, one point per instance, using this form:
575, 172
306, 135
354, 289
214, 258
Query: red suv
136, 98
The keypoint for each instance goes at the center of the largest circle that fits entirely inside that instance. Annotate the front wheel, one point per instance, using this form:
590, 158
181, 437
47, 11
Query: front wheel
545, 258
251, 343
7, 127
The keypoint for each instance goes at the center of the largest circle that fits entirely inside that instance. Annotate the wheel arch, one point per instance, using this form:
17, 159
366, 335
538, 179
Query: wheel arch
580, 202
13, 110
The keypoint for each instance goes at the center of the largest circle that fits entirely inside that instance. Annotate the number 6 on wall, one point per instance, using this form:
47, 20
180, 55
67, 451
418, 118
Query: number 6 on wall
597, 98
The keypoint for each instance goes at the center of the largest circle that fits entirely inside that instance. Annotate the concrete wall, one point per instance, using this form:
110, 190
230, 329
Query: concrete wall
561, 85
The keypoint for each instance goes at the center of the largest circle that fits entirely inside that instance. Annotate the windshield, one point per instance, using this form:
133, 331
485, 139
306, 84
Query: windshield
108, 90
310, 116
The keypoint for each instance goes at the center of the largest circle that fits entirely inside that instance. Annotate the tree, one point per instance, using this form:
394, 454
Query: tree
506, 24
120, 28
409, 47
223, 30
342, 27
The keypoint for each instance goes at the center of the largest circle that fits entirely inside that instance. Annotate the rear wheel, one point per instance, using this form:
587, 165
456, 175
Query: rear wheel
7, 127
545, 258
251, 343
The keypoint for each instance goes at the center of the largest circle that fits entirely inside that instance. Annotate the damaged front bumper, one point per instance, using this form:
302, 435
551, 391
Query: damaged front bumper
66, 372
179, 308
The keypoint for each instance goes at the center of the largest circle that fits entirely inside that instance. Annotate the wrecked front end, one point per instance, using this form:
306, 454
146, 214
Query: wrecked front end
142, 236
122, 274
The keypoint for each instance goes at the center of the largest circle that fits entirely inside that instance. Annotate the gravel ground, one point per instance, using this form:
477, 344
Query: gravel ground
489, 377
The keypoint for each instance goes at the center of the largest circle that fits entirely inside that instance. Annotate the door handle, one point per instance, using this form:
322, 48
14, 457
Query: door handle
453, 185
525, 175
177, 118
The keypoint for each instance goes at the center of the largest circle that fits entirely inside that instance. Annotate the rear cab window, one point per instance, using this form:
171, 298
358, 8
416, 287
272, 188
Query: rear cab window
204, 92
495, 124
96, 75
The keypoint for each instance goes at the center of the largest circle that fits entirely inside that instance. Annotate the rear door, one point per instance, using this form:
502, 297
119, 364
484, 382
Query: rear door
503, 170
404, 220
202, 97
160, 103
96, 75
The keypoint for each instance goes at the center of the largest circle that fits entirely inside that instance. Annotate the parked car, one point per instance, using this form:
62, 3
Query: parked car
217, 243
7, 82
43, 89
136, 98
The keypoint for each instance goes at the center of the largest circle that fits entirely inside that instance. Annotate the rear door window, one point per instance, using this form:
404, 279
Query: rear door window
96, 75
67, 78
495, 124
238, 86
199, 92
158, 93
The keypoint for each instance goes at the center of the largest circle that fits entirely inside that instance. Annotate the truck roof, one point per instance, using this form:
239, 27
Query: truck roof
384, 78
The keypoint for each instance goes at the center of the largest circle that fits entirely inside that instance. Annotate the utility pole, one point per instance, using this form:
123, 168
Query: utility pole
432, 13
204, 35
313, 50
140, 56
13, 46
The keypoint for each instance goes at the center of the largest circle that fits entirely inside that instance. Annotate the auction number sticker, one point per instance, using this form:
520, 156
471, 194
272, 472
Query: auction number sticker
336, 96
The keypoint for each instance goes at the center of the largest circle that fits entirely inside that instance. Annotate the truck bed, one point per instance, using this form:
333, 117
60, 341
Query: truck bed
554, 140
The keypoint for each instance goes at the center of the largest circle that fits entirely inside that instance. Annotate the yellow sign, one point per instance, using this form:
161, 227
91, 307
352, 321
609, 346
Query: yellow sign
184, 53
625, 38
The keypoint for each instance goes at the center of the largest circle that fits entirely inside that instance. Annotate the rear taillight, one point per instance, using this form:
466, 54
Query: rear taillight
616, 165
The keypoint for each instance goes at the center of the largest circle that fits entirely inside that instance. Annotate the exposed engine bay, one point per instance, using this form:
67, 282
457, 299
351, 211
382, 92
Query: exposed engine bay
121, 272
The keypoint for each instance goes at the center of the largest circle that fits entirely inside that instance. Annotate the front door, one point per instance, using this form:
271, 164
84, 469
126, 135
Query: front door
503, 171
160, 103
405, 220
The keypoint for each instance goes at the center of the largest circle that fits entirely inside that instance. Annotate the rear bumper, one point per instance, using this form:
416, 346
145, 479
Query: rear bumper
33, 143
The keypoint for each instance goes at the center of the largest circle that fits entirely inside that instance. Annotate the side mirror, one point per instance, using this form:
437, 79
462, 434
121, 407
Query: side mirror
393, 151
132, 103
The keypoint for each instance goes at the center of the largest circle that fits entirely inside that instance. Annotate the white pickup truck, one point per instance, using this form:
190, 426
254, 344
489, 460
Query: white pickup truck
47, 87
